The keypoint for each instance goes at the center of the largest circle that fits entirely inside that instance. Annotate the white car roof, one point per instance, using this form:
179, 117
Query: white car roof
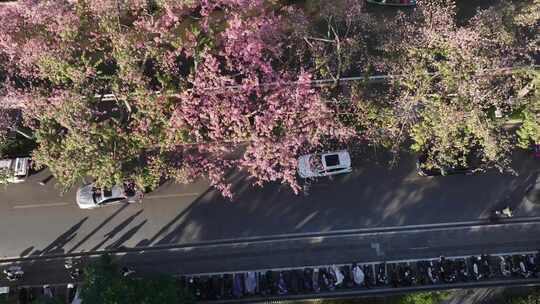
5, 163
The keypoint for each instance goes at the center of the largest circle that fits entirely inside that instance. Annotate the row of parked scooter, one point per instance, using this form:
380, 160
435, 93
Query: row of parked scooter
357, 276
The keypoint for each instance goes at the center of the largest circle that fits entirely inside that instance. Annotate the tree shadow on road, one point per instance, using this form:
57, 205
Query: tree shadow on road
126, 236
57, 246
97, 228
26, 251
168, 228
109, 235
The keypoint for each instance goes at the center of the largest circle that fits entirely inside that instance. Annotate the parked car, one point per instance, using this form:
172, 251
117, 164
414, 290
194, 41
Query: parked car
324, 164
393, 2
424, 169
89, 196
15, 169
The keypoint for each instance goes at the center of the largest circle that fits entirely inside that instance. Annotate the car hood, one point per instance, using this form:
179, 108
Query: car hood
85, 197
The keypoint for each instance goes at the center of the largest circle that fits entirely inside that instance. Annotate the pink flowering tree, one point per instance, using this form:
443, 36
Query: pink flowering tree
167, 65
273, 118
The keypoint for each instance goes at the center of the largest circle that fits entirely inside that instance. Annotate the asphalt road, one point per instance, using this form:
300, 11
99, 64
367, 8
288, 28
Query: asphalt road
38, 221
363, 246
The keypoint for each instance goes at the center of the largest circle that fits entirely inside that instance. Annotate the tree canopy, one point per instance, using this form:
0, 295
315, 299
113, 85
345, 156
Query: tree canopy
104, 284
153, 90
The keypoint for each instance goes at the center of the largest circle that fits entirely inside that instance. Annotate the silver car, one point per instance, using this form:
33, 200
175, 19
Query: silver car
89, 197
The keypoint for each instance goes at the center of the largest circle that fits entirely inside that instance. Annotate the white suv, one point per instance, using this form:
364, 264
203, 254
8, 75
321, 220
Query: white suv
323, 164
14, 170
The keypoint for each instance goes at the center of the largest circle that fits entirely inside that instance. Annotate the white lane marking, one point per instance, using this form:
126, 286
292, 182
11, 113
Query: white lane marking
307, 219
249, 241
170, 195
40, 205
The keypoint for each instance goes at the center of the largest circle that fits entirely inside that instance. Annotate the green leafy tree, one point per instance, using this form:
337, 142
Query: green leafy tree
529, 131
45, 300
423, 298
532, 298
104, 284
456, 80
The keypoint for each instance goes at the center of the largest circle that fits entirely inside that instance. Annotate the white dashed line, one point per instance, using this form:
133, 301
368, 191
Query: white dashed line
40, 205
158, 196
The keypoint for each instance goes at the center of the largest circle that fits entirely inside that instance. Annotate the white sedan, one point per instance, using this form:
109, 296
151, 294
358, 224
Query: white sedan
324, 164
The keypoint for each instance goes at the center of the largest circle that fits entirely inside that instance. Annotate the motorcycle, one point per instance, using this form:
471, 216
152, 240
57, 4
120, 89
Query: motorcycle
326, 280
292, 281
367, 276
486, 266
347, 279
463, 271
431, 273
315, 280
408, 277
299, 275
217, 287
531, 262
238, 285
227, 286
308, 279
370, 279
358, 275
25, 296
537, 262
73, 268
443, 269
523, 271
453, 271
282, 286
265, 283
504, 267
394, 275
127, 271
205, 287
194, 286
382, 278
476, 274
14, 273
250, 282
400, 269
337, 275
422, 273
47, 292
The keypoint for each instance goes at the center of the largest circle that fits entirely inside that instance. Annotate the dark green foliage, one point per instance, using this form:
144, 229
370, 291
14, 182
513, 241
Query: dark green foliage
104, 284
16, 146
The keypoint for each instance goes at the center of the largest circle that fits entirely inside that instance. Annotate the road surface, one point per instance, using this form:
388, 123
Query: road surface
38, 221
